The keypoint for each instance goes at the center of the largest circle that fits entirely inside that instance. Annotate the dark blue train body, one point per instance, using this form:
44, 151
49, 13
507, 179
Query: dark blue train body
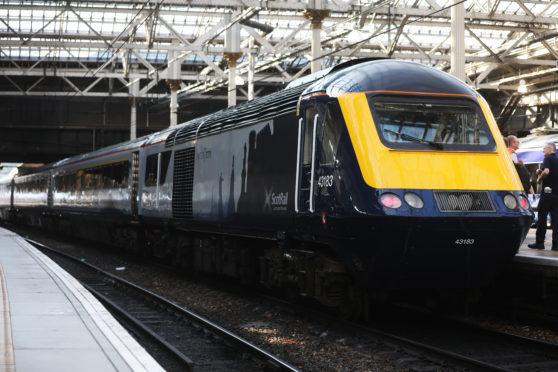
374, 175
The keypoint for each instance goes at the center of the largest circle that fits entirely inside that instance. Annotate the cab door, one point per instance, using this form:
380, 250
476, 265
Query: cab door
327, 177
306, 159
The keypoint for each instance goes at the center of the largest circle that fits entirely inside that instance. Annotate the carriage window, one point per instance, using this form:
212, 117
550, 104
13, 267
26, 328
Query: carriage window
59, 182
333, 126
98, 176
434, 125
64, 183
121, 171
165, 160
88, 179
79, 180
108, 178
151, 170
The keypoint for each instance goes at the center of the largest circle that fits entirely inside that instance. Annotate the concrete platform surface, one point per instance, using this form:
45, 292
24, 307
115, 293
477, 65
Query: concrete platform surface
540, 257
49, 322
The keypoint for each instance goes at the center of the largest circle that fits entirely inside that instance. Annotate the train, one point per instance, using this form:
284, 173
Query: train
372, 175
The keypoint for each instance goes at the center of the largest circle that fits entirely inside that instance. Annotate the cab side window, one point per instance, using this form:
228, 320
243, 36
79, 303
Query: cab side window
308, 135
151, 170
333, 127
165, 160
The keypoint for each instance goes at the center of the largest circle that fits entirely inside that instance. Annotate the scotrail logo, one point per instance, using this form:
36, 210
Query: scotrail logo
276, 202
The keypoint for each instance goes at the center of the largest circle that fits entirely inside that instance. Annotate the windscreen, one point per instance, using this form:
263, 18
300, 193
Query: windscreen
431, 124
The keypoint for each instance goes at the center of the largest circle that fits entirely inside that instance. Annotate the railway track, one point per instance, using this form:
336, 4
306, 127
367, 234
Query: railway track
188, 341
462, 344
413, 340
419, 341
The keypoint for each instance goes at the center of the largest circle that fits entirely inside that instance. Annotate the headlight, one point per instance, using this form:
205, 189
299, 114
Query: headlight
413, 200
390, 200
510, 201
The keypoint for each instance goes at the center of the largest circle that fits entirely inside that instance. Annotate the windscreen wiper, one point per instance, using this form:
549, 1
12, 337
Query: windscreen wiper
407, 137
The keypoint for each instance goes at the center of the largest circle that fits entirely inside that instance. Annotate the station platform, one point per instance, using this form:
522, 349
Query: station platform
537, 257
49, 322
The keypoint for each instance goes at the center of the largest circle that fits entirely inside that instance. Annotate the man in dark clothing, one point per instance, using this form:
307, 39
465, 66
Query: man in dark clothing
524, 177
548, 175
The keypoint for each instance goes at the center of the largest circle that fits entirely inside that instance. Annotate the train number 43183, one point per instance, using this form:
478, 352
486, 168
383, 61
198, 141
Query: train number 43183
465, 241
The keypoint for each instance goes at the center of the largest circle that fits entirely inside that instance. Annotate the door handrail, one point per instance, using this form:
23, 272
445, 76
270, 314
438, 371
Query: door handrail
297, 185
311, 196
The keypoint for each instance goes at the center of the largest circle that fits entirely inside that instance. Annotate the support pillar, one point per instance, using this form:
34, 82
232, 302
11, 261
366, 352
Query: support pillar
231, 58
316, 16
457, 67
231, 54
133, 90
174, 85
251, 71
133, 118
173, 80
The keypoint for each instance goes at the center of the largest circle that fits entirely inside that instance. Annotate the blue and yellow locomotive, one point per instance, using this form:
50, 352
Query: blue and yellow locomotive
370, 175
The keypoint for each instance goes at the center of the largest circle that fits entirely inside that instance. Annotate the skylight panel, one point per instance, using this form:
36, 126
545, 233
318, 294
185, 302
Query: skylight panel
121, 18
35, 53
179, 19
25, 13
73, 27
47, 15
25, 26
22, 54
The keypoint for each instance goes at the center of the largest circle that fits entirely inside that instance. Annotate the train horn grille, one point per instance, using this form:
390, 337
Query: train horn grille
464, 201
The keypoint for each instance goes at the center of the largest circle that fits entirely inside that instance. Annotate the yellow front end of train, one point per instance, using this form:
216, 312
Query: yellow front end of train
386, 168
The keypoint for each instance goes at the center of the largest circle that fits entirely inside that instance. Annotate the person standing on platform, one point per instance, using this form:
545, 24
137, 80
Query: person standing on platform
513, 144
525, 177
548, 175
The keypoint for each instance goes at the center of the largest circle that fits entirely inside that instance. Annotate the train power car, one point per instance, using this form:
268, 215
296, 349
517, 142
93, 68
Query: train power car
381, 174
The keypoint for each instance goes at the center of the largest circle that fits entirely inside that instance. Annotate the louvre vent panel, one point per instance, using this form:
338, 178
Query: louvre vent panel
183, 183
464, 201
135, 181
49, 192
255, 111
170, 138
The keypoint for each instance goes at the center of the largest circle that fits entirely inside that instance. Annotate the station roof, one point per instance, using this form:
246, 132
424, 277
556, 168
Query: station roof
100, 48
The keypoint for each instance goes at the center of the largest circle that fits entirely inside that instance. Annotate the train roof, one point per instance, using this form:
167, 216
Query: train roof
119, 147
537, 141
368, 75
389, 75
530, 148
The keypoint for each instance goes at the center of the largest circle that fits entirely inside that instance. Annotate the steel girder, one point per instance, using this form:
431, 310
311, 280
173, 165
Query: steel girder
90, 47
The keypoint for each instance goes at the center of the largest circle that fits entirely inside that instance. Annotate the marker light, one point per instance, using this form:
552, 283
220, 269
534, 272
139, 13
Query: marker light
524, 202
413, 200
390, 200
510, 201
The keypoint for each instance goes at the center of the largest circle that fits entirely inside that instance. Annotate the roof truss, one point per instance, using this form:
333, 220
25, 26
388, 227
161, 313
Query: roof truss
99, 48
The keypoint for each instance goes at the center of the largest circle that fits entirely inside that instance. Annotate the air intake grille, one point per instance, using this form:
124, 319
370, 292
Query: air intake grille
464, 201
183, 183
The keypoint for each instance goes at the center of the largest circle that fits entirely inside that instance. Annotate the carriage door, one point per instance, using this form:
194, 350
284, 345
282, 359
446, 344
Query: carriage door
306, 160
